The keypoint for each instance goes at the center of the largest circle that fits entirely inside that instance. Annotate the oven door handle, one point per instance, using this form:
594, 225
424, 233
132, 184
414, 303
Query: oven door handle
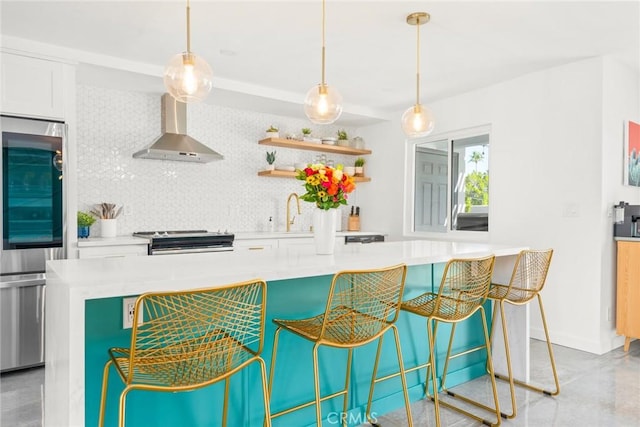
190, 251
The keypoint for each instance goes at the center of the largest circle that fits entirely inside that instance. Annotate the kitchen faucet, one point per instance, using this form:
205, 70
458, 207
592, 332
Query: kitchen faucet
290, 221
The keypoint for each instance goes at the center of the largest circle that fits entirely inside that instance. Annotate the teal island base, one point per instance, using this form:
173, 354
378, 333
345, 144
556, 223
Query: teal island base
293, 379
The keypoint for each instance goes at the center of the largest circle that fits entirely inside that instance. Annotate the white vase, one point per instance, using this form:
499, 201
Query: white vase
324, 230
108, 227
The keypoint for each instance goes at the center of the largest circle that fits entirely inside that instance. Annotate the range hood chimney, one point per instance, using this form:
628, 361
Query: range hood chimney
174, 143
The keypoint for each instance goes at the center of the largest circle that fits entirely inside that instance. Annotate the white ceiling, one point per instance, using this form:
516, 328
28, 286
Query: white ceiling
272, 48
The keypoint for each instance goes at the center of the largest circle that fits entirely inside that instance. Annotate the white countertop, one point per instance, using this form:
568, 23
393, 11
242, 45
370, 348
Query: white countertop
246, 235
134, 275
627, 239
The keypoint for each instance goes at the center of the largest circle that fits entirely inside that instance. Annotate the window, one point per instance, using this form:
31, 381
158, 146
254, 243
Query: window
449, 183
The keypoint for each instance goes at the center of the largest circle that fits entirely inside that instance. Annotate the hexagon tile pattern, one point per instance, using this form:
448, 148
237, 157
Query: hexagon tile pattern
170, 195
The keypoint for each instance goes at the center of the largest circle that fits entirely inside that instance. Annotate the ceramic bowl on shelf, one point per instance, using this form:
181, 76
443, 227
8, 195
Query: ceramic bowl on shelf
329, 140
287, 168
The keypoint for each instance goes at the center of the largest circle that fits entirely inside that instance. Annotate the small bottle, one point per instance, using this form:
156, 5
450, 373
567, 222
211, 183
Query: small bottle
270, 225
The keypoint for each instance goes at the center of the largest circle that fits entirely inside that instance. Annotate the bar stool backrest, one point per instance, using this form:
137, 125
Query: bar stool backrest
194, 336
529, 274
464, 287
363, 304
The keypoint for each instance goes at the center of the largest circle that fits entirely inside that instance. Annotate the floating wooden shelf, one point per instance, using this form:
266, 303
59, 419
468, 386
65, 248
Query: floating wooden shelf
288, 174
304, 145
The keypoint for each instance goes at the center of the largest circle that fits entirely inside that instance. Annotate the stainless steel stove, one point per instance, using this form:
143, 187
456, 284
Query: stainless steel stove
187, 241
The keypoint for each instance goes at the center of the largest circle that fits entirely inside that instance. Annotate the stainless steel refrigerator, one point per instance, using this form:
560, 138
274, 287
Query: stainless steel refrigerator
32, 230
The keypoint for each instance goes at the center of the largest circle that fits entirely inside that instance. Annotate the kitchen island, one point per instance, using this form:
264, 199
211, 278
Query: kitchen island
84, 319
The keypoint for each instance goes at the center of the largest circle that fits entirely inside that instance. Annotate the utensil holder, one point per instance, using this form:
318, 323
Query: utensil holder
354, 223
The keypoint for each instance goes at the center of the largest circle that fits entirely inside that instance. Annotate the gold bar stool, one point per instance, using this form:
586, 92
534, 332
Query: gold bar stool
192, 339
527, 280
463, 289
362, 306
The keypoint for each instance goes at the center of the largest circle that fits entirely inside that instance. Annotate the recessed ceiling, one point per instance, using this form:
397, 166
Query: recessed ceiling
371, 51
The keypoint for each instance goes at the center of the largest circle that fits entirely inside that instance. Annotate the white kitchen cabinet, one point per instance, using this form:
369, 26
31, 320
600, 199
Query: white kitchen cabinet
255, 244
285, 243
31, 87
122, 246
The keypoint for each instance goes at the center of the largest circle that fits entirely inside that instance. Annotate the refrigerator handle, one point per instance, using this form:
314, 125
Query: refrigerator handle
41, 300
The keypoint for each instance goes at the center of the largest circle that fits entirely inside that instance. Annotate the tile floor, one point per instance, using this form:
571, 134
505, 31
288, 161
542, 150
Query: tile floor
595, 391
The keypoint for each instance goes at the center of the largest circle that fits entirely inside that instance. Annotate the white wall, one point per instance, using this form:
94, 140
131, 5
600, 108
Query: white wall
546, 161
158, 194
621, 101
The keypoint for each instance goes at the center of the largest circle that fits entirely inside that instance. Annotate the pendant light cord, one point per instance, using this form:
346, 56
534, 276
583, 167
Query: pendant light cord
418, 65
323, 42
188, 27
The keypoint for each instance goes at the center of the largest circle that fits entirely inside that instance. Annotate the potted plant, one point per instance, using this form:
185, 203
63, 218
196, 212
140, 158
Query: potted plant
343, 138
306, 134
359, 165
107, 212
273, 132
271, 157
85, 220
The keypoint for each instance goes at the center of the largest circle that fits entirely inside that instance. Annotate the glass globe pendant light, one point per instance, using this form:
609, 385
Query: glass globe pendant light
323, 103
417, 121
188, 77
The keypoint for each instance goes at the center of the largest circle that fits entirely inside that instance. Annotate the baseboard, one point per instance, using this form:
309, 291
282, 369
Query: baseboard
571, 341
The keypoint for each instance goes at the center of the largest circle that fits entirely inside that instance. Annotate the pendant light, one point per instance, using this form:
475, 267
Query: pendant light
417, 121
323, 103
188, 77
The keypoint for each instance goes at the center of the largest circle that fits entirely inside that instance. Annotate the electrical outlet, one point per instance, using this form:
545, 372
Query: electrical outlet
128, 305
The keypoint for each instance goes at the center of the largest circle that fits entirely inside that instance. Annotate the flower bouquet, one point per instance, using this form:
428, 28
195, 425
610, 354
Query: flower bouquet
327, 187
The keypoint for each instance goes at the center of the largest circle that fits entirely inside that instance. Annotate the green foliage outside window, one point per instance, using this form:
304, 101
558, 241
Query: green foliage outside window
476, 184
476, 187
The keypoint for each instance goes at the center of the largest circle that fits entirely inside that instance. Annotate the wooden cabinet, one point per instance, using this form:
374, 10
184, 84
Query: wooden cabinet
31, 87
628, 291
310, 146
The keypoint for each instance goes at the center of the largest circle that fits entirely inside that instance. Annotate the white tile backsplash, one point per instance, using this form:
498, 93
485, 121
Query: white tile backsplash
160, 194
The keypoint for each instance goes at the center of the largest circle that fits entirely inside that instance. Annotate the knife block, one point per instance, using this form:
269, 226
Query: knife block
354, 223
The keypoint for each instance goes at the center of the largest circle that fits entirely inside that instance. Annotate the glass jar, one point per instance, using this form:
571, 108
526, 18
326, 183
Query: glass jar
358, 143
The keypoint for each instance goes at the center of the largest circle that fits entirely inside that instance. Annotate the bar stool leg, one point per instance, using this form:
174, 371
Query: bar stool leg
122, 409
274, 351
373, 380
316, 384
510, 377
103, 398
265, 393
403, 378
507, 352
225, 402
489, 364
550, 350
432, 362
345, 401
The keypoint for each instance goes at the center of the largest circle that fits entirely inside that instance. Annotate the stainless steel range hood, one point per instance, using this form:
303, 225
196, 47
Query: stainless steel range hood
174, 143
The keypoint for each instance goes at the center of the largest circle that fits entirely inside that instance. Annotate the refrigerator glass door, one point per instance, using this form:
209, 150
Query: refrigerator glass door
32, 192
